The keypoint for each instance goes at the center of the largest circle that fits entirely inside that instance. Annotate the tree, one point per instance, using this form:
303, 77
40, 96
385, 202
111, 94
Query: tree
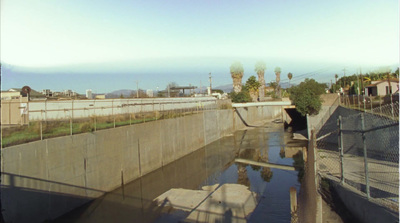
273, 84
266, 174
335, 88
278, 79
336, 77
306, 96
237, 71
289, 75
260, 70
241, 97
252, 85
354, 89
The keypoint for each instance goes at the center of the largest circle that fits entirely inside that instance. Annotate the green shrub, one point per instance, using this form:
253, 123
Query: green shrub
306, 96
241, 97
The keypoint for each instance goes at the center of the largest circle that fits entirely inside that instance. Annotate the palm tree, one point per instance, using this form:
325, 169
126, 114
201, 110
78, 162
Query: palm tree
237, 75
289, 75
243, 178
278, 79
260, 70
266, 174
252, 86
336, 77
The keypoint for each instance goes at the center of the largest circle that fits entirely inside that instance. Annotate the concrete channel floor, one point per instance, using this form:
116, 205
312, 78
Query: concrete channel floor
217, 203
383, 176
329, 215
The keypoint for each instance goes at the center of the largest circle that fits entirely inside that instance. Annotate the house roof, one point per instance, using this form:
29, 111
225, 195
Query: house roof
33, 92
396, 80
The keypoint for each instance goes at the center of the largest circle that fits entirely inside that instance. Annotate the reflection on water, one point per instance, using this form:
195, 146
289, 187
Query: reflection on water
213, 164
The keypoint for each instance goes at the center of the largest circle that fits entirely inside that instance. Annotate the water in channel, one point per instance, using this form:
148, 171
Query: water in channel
211, 165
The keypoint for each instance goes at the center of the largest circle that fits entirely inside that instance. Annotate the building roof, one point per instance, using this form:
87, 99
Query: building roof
33, 93
396, 80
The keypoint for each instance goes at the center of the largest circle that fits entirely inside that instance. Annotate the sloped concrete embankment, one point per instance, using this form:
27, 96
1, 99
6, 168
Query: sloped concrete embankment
365, 210
45, 179
329, 105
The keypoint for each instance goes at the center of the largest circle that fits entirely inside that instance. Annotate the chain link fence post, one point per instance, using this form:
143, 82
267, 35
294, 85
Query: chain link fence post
72, 116
391, 103
365, 155
340, 142
70, 125
41, 130
364, 102
94, 113
370, 100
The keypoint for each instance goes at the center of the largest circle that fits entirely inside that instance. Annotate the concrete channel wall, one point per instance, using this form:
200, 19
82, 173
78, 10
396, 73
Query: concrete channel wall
44, 179
329, 105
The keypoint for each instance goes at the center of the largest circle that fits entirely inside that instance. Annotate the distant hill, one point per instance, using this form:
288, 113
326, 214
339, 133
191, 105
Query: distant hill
227, 88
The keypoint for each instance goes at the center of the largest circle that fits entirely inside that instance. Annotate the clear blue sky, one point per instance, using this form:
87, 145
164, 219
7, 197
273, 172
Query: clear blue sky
108, 45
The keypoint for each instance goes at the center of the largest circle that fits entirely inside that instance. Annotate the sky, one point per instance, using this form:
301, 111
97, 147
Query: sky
111, 45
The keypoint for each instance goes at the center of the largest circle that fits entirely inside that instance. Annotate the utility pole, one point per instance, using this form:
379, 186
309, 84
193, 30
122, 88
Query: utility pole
362, 82
344, 76
358, 85
210, 83
137, 87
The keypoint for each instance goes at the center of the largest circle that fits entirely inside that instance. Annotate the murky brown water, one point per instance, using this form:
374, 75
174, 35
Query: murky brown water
213, 164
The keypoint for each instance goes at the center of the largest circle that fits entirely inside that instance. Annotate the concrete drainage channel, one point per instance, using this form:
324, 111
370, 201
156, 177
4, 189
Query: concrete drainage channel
44, 179
221, 182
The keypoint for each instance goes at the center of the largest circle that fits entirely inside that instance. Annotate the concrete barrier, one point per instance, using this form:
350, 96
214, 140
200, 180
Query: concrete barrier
45, 179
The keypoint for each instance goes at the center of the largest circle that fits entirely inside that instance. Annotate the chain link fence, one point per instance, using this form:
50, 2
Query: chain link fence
368, 103
30, 121
362, 150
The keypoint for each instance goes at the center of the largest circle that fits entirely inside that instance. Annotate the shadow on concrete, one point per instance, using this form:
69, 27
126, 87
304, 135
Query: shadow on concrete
374, 192
244, 121
134, 202
329, 133
17, 205
298, 122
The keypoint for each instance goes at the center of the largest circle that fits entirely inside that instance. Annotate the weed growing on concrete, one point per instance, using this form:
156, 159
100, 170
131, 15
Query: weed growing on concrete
50, 129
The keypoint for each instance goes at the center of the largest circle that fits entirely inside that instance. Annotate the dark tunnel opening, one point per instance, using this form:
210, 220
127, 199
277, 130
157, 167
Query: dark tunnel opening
298, 122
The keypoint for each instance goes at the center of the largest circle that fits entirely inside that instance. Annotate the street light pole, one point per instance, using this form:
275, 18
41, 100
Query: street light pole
137, 87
